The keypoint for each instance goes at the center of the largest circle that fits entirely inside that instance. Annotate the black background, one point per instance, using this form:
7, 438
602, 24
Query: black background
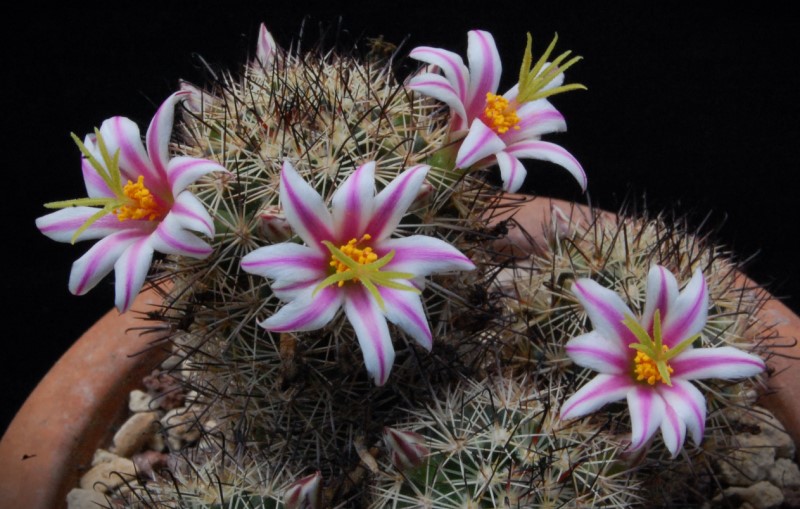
690, 109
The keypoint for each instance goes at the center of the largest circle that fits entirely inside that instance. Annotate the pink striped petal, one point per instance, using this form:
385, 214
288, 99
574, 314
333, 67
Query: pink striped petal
352, 203
130, 271
309, 311
160, 131
192, 214
372, 332
266, 47
288, 291
688, 403
182, 171
662, 290
95, 185
194, 98
442, 90
481, 142
404, 309
593, 351
546, 151
484, 70
725, 362
422, 255
62, 224
305, 210
605, 310
687, 314
93, 266
392, 203
591, 397
171, 238
286, 263
647, 411
536, 119
511, 171
122, 134
451, 65
673, 431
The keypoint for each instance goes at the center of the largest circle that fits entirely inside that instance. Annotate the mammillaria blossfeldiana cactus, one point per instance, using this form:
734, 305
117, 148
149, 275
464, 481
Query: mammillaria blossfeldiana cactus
320, 182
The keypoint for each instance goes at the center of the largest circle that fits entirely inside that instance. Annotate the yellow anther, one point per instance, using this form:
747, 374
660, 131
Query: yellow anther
499, 114
646, 368
359, 255
142, 204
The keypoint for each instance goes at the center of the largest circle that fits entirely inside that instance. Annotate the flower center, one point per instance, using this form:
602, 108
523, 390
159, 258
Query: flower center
650, 363
141, 203
362, 256
645, 368
500, 116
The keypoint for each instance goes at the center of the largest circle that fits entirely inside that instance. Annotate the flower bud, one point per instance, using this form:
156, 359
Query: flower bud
304, 493
407, 448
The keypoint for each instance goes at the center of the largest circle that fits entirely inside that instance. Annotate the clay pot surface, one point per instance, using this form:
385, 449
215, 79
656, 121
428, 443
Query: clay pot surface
51, 441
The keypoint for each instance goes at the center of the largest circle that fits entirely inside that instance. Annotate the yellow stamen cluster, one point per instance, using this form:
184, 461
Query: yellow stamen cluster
359, 255
645, 368
142, 204
499, 114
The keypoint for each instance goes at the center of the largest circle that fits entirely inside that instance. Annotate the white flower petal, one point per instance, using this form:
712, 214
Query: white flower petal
442, 90
484, 70
182, 171
372, 332
725, 362
605, 310
687, 314
62, 224
422, 255
662, 290
546, 151
673, 431
404, 309
352, 203
130, 271
192, 214
122, 134
593, 351
601, 390
512, 172
688, 403
309, 311
93, 266
286, 263
392, 203
305, 210
480, 143
647, 411
160, 131
171, 238
451, 65
536, 118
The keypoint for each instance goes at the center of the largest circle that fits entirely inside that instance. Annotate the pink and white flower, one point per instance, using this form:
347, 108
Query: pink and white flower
350, 260
152, 212
500, 129
652, 361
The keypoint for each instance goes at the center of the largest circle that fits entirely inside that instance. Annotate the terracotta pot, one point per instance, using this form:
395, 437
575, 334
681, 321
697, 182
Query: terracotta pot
74, 409
76, 406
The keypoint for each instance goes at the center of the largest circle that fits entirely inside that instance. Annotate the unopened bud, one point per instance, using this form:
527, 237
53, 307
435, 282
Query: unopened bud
274, 225
407, 448
304, 493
